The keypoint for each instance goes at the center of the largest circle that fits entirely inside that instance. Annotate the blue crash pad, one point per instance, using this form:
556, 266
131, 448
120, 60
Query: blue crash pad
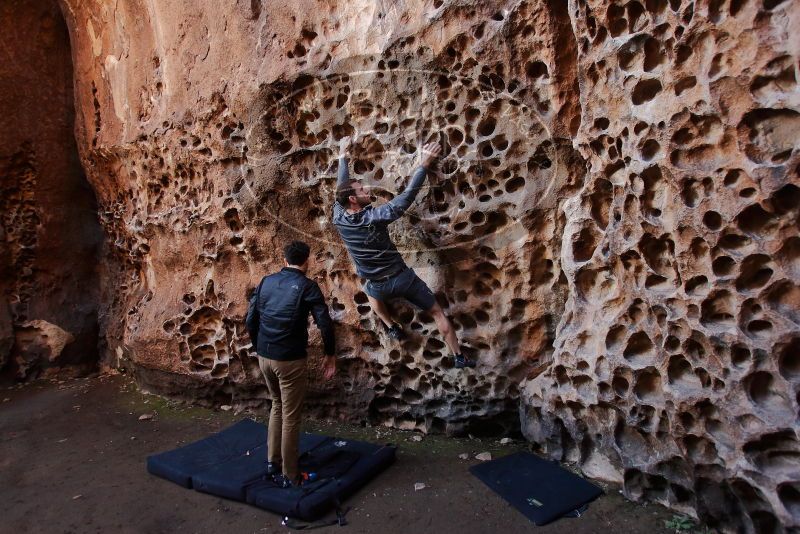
542, 490
180, 465
343, 466
231, 464
230, 479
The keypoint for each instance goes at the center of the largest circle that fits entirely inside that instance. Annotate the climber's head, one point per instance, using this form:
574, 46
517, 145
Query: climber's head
353, 195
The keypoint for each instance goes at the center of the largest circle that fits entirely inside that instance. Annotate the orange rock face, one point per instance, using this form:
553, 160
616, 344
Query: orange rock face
49, 234
613, 228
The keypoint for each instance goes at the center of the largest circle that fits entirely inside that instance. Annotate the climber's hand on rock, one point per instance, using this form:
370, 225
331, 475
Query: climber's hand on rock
345, 143
329, 367
430, 152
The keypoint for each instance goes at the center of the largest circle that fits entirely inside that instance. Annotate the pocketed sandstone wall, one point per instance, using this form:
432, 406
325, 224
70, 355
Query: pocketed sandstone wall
211, 139
675, 368
49, 233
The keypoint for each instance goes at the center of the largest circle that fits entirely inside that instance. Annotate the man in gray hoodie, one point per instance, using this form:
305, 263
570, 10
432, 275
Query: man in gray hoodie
365, 231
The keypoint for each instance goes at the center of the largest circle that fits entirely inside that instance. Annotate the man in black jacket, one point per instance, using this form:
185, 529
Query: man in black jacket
277, 321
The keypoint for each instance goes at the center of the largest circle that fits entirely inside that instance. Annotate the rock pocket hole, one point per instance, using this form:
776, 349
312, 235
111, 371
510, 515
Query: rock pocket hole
645, 91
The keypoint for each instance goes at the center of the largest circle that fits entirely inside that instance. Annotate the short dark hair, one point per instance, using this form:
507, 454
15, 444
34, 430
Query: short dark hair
296, 253
344, 191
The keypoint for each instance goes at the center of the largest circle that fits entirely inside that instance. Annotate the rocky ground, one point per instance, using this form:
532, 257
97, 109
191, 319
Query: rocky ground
72, 459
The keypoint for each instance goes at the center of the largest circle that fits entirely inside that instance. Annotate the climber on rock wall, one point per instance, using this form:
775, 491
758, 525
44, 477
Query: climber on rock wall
365, 231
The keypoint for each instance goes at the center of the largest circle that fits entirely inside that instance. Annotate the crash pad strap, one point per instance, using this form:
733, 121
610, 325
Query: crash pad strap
340, 520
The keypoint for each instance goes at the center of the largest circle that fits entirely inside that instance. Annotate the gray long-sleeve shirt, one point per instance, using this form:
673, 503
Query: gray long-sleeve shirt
366, 233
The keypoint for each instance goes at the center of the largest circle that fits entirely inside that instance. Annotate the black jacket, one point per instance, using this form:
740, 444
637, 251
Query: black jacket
277, 318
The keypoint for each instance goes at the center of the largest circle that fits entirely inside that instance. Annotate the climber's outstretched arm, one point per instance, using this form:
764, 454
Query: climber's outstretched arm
395, 208
344, 162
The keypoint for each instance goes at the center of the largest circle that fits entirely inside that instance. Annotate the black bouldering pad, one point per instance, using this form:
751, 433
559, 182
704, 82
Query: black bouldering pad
542, 490
181, 464
231, 478
232, 464
342, 467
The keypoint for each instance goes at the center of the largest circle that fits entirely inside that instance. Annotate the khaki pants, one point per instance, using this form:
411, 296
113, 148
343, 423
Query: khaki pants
286, 382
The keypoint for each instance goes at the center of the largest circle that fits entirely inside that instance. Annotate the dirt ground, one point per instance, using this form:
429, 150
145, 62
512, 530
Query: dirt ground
72, 459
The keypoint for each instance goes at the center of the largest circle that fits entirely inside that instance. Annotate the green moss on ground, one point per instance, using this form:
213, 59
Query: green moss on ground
409, 442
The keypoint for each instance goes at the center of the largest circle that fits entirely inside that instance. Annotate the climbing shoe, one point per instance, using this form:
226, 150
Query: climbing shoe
273, 468
282, 481
462, 361
396, 332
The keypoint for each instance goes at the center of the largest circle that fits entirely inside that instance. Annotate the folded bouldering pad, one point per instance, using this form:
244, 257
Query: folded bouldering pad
341, 466
542, 490
231, 478
232, 464
181, 464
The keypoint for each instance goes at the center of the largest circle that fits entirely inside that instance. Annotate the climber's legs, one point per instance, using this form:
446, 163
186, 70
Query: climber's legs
412, 288
445, 328
406, 284
380, 308
409, 286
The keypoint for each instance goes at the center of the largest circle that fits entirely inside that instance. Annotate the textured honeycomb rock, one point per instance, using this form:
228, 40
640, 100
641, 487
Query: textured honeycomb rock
49, 233
675, 362
6, 333
201, 179
613, 228
38, 344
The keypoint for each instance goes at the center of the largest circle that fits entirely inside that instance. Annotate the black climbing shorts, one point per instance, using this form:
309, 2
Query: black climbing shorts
406, 284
